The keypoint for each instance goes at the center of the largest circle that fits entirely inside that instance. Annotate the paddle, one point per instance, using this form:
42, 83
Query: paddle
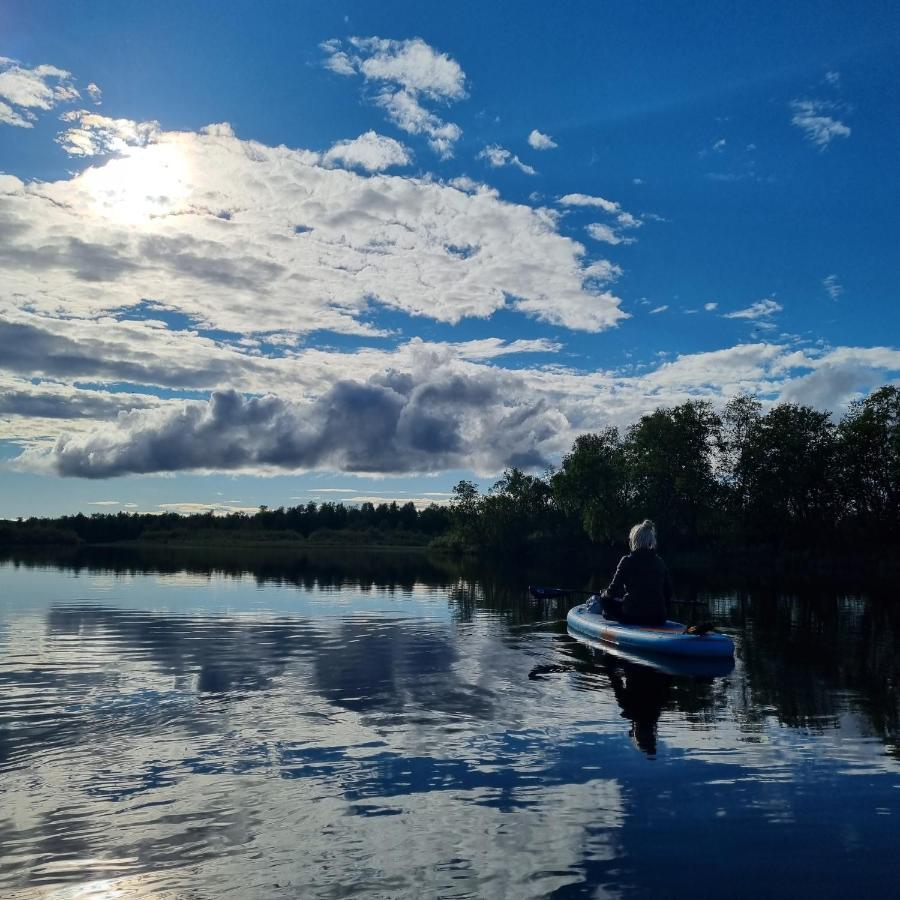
554, 593
551, 593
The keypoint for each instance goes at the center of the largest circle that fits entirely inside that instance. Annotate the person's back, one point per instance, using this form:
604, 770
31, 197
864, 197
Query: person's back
640, 589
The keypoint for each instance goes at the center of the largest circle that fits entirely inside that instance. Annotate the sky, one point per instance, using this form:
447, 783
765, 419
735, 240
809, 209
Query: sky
274, 253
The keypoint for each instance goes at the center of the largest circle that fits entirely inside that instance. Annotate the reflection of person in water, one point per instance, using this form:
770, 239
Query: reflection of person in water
641, 692
642, 695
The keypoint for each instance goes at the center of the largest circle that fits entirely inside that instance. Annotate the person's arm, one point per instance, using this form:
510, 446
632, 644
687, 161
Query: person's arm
617, 585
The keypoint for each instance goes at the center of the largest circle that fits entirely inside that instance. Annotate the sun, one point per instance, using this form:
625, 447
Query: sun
144, 184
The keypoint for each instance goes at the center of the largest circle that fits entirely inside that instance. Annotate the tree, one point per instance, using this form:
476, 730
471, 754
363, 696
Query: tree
869, 465
465, 507
785, 468
592, 486
670, 455
516, 508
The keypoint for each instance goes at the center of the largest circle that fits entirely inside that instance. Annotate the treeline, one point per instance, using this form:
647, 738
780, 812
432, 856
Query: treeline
789, 478
386, 523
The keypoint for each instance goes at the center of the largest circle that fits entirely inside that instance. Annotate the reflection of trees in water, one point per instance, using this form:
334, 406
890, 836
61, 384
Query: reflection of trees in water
308, 569
811, 657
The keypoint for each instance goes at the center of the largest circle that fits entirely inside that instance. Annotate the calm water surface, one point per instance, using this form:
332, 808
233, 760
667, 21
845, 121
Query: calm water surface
282, 726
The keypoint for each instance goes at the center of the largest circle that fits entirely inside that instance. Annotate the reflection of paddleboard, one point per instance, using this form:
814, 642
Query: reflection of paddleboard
667, 664
669, 639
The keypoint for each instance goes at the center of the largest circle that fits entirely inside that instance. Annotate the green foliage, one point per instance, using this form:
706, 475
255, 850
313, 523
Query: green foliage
384, 525
787, 469
869, 463
669, 456
592, 486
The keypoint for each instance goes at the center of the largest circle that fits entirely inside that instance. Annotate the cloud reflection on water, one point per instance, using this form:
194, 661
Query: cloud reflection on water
396, 755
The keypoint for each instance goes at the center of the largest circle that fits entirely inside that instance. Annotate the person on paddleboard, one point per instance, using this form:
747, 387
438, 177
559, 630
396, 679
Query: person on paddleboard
640, 590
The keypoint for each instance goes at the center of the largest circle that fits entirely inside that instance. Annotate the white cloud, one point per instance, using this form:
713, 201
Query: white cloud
818, 127
597, 230
720, 145
191, 508
389, 424
406, 112
370, 151
470, 186
492, 348
832, 286
23, 90
833, 78
759, 310
249, 239
586, 200
709, 307
406, 72
425, 408
627, 220
90, 134
413, 64
659, 309
541, 141
606, 234
95, 93
498, 156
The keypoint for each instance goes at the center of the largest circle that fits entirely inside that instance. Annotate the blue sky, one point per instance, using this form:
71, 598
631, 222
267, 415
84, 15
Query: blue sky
424, 242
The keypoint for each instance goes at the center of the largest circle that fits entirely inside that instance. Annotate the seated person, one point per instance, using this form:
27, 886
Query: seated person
640, 589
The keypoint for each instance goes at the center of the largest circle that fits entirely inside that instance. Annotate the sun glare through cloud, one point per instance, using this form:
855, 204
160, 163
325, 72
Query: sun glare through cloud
142, 184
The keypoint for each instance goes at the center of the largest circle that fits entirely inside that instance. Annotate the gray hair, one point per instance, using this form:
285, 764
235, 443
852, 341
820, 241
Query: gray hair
643, 536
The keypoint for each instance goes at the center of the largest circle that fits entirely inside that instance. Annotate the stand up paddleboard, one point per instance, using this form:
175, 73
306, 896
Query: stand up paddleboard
664, 663
665, 639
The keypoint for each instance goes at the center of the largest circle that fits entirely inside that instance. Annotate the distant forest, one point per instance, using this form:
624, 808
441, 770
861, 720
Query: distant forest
787, 479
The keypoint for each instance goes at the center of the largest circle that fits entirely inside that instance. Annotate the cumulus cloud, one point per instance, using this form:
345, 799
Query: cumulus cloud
370, 151
61, 402
608, 235
541, 141
814, 118
426, 409
137, 352
760, 310
390, 424
709, 307
95, 93
24, 90
247, 238
90, 134
404, 74
599, 231
497, 157
609, 206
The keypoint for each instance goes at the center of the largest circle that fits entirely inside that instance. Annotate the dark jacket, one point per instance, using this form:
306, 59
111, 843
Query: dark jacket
643, 581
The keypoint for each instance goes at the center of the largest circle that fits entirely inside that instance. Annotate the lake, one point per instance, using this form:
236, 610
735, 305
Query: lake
267, 725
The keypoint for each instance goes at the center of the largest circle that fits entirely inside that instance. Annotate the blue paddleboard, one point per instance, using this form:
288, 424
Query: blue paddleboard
669, 638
